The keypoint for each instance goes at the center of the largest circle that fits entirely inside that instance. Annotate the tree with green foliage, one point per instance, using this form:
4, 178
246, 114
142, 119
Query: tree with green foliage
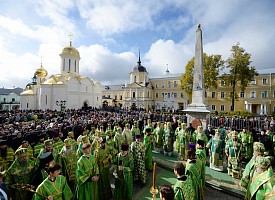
212, 66
240, 72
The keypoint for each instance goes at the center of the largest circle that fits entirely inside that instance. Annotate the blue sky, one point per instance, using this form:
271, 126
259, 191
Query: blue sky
108, 34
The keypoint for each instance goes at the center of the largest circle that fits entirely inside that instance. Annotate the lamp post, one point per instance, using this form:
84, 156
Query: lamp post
62, 105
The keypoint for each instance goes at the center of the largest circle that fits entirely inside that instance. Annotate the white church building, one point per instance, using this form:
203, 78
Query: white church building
67, 90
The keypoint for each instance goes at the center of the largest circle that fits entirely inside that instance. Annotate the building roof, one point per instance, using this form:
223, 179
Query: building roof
5, 91
139, 67
166, 76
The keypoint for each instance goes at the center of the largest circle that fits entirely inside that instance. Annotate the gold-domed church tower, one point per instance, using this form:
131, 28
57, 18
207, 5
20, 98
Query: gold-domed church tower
41, 74
69, 59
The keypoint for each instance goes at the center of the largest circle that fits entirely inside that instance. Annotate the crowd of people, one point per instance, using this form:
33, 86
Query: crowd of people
76, 154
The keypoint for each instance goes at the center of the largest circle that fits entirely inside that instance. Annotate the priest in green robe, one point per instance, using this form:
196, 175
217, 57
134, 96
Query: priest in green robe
124, 167
20, 172
247, 141
194, 170
258, 150
68, 160
233, 149
262, 181
148, 144
158, 134
184, 188
182, 142
216, 147
168, 144
201, 155
119, 139
138, 152
104, 160
54, 187
87, 175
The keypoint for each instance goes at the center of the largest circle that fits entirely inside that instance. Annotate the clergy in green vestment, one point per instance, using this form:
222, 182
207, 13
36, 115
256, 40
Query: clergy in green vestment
54, 187
47, 148
233, 149
20, 172
148, 144
194, 170
138, 152
158, 134
57, 142
168, 144
201, 155
104, 160
199, 135
40, 145
123, 173
263, 180
135, 130
119, 139
184, 188
182, 140
247, 141
127, 134
87, 175
84, 140
216, 147
258, 150
68, 160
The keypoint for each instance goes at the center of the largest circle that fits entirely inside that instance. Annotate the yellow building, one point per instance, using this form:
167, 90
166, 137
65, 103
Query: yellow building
158, 93
258, 97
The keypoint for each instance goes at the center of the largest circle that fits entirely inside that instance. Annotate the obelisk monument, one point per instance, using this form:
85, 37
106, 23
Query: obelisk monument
198, 112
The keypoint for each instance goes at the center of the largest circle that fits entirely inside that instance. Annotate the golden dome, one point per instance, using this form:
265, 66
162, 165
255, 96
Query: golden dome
70, 50
27, 93
41, 71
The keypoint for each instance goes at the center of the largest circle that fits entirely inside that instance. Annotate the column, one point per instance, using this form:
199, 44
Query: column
261, 111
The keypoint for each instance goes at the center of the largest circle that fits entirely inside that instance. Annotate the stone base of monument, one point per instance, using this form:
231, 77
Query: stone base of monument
197, 115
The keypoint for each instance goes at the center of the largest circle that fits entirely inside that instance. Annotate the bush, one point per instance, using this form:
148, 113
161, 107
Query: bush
241, 113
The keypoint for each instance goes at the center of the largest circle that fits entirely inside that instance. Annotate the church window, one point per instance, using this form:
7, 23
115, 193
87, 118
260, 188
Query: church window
222, 94
69, 64
162, 94
162, 84
222, 108
148, 94
96, 98
4, 100
157, 95
175, 95
169, 84
46, 98
181, 95
115, 97
64, 64
242, 94
213, 107
120, 97
168, 95
175, 83
27, 105
135, 79
213, 94
75, 66
157, 85
134, 95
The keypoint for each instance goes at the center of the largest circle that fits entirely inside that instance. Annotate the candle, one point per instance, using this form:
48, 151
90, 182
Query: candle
154, 175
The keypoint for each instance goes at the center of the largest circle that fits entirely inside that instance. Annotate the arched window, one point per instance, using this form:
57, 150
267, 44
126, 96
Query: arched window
75, 66
13, 99
69, 64
64, 64
135, 79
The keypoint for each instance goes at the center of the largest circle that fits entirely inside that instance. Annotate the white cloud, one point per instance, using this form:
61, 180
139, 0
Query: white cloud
112, 17
101, 64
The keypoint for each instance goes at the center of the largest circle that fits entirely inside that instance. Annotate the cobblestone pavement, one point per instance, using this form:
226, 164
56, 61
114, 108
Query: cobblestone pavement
215, 194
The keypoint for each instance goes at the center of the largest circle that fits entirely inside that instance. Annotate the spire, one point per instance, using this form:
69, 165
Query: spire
71, 36
139, 62
41, 61
167, 70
